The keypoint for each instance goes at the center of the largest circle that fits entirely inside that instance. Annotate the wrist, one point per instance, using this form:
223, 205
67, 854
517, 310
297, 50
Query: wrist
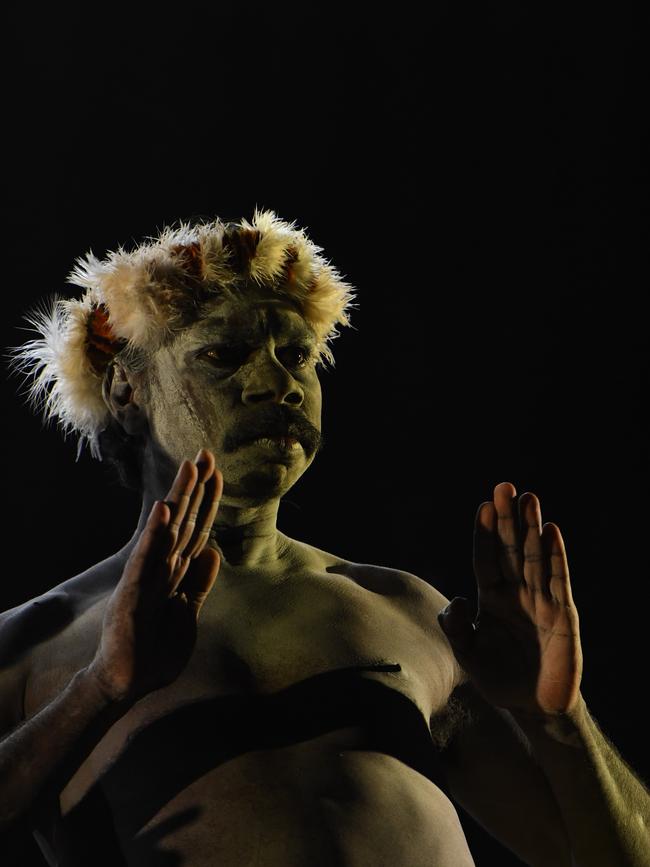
565, 727
105, 693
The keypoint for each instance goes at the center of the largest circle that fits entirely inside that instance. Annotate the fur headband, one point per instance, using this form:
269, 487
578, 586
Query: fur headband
140, 299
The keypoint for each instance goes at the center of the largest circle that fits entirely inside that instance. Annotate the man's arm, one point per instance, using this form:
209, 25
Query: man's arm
606, 808
523, 654
43, 753
554, 793
492, 774
148, 636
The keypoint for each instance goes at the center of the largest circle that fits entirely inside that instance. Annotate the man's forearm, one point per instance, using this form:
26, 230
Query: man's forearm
605, 807
39, 757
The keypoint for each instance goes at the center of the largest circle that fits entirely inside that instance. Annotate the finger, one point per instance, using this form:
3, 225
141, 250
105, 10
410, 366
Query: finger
151, 550
178, 498
204, 462
212, 482
510, 553
534, 558
176, 572
200, 578
557, 564
159, 517
486, 550
208, 514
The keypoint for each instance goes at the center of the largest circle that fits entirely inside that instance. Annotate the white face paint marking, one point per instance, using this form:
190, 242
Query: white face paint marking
172, 405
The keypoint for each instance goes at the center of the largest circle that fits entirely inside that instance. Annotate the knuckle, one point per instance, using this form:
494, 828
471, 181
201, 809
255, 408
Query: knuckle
530, 557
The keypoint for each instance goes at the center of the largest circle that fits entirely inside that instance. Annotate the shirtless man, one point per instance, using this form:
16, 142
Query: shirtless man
318, 710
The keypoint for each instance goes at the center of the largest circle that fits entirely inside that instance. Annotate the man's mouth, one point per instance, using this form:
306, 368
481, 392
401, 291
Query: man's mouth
286, 443
286, 436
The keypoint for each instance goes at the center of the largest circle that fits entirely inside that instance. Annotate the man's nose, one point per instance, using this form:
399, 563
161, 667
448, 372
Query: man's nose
268, 380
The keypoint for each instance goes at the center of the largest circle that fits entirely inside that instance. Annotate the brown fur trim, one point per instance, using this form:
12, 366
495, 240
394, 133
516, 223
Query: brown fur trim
292, 258
101, 343
242, 244
190, 258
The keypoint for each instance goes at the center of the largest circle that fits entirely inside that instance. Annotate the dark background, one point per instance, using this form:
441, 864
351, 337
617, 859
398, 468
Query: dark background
481, 177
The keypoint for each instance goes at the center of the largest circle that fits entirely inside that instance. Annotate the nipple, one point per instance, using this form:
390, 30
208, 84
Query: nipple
379, 666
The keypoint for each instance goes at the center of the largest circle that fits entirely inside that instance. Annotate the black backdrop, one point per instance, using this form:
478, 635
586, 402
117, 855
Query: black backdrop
480, 175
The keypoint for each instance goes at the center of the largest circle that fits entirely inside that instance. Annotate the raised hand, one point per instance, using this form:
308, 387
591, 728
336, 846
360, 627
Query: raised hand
523, 651
150, 623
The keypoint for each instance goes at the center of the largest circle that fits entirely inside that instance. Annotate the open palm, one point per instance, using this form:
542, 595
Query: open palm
523, 651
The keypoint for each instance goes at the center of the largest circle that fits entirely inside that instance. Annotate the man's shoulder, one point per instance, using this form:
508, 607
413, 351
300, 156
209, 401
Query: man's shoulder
28, 630
390, 581
384, 580
33, 622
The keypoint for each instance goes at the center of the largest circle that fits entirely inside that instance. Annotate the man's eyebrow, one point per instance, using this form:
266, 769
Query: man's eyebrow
297, 329
292, 325
224, 326
232, 327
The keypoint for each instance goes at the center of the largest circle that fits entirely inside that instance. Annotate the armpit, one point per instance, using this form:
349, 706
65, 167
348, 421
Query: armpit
447, 722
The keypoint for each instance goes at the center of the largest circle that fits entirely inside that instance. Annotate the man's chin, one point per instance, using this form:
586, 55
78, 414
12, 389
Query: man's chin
258, 486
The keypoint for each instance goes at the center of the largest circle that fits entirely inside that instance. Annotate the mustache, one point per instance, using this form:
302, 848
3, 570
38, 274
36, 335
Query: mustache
274, 420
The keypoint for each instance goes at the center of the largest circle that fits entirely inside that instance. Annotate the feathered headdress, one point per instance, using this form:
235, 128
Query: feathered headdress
140, 299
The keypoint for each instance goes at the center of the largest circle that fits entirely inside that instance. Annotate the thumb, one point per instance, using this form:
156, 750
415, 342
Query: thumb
456, 622
200, 578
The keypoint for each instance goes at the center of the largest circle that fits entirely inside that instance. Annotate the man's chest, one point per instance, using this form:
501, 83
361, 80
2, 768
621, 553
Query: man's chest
265, 641
285, 656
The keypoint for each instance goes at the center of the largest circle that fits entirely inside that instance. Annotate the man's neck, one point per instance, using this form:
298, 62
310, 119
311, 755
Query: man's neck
246, 538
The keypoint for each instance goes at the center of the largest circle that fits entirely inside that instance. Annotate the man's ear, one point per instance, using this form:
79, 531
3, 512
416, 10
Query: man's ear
120, 398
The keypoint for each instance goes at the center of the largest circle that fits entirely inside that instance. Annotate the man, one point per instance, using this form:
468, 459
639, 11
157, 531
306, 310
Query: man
319, 709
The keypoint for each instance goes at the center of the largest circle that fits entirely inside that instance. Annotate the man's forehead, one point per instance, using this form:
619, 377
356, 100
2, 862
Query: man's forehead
253, 318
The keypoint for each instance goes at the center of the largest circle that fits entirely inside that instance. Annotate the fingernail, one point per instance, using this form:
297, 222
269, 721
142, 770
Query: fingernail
199, 455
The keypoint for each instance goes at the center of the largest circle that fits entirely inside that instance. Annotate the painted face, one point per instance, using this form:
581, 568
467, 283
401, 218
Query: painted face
242, 382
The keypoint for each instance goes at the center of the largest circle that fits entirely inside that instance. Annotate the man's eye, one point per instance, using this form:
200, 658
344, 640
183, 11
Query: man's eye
294, 356
224, 356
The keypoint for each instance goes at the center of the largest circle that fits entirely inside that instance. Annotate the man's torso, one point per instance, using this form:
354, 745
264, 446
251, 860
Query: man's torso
298, 734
